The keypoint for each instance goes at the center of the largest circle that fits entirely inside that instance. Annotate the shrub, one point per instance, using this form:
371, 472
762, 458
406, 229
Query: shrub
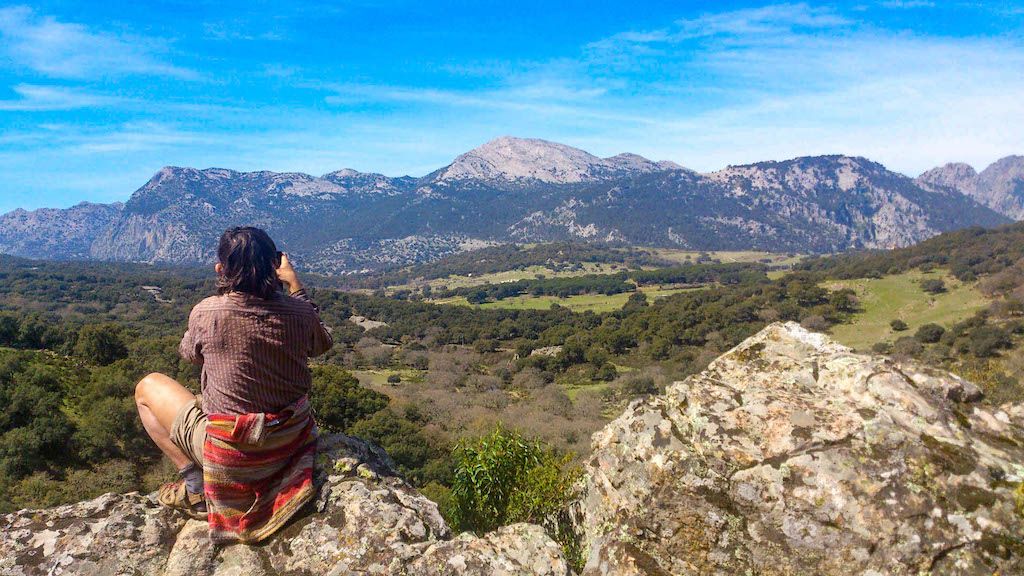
503, 478
9, 329
898, 325
406, 443
930, 333
339, 401
420, 362
907, 346
606, 373
882, 348
933, 286
639, 385
987, 340
815, 323
485, 345
101, 344
394, 378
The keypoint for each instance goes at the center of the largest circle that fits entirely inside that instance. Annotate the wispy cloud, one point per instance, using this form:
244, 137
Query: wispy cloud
70, 140
34, 98
58, 49
793, 79
237, 29
901, 4
546, 98
141, 136
763, 23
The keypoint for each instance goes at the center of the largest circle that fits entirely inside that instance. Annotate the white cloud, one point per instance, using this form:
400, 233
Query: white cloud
34, 98
544, 99
791, 80
69, 50
763, 23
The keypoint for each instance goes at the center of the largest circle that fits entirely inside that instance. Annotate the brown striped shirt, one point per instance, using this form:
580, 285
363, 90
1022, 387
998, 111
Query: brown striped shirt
254, 352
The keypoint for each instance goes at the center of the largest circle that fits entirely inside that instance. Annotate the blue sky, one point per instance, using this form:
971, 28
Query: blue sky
97, 96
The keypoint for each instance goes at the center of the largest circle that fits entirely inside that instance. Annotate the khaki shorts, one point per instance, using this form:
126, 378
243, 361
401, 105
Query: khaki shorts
188, 431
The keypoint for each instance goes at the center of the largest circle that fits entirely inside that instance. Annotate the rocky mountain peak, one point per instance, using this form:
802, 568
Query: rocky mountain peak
1005, 176
956, 175
343, 173
1000, 186
530, 159
803, 174
355, 182
518, 190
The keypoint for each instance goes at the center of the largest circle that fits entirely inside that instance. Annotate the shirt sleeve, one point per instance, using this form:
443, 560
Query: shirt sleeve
191, 347
322, 340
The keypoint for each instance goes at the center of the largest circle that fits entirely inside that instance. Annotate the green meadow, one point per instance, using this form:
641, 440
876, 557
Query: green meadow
900, 297
579, 303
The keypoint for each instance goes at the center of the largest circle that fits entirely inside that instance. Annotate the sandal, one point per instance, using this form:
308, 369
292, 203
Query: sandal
174, 495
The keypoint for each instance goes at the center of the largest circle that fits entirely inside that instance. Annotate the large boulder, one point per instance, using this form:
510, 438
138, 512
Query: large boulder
792, 455
367, 520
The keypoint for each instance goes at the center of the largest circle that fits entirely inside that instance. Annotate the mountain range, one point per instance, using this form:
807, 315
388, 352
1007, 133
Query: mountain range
526, 190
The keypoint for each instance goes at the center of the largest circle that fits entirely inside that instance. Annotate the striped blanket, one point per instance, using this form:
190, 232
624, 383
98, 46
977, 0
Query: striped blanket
258, 471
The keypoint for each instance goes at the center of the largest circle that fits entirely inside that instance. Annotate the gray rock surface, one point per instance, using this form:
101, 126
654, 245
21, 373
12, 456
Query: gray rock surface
792, 455
531, 159
1000, 186
366, 521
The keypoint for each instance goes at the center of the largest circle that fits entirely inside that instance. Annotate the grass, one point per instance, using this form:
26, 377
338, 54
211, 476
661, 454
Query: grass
900, 297
378, 378
689, 256
579, 303
528, 273
531, 272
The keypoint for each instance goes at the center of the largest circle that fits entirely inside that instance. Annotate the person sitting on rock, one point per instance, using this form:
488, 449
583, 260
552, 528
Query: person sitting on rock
245, 447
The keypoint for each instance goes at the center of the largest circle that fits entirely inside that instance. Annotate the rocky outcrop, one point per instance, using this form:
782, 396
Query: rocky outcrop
366, 521
792, 455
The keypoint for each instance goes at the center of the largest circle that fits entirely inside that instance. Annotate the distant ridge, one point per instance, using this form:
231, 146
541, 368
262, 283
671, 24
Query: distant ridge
517, 190
1000, 186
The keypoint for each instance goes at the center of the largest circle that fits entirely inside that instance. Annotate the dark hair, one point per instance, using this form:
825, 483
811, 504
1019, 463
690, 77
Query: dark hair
250, 260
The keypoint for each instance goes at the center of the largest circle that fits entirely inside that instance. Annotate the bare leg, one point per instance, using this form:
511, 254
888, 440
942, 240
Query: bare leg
159, 399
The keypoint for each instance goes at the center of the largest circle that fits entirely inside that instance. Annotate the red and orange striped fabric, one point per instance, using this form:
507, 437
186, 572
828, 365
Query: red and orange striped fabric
258, 471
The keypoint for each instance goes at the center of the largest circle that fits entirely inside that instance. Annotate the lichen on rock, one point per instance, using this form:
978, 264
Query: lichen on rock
366, 520
791, 454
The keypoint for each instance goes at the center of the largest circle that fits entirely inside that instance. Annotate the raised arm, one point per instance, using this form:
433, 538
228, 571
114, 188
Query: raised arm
321, 340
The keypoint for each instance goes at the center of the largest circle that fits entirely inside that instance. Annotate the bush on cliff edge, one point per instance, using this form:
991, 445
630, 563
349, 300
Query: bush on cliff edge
503, 478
